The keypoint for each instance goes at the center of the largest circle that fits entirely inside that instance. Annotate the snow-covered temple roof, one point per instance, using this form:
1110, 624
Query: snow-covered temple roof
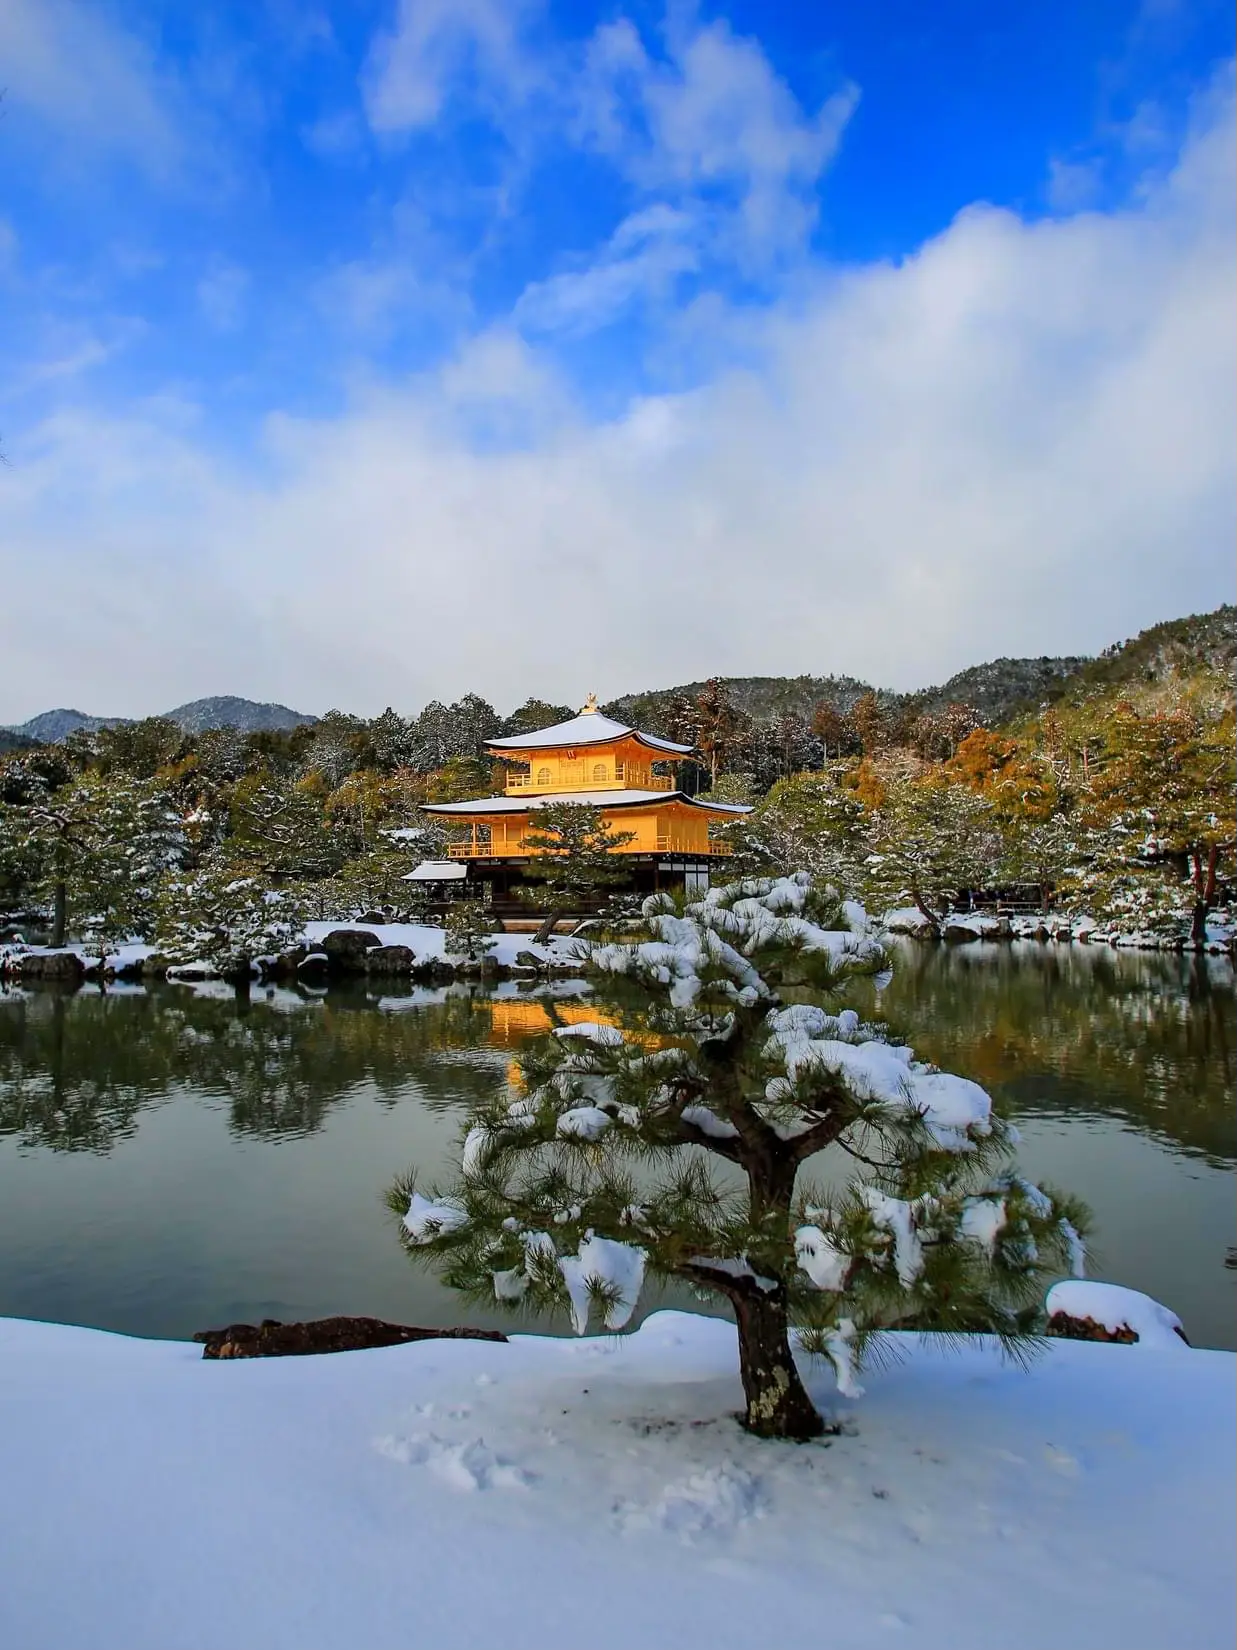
597, 799
437, 870
590, 727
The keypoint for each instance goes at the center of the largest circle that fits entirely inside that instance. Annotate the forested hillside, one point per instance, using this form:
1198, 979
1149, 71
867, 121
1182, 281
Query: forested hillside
1109, 797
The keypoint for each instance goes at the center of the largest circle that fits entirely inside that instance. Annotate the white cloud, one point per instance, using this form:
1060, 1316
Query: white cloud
643, 258
1017, 441
434, 47
712, 115
89, 80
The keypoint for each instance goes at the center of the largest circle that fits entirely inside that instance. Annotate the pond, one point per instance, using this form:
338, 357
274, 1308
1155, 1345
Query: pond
172, 1160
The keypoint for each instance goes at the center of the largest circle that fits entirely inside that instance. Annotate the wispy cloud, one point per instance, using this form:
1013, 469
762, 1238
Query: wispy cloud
710, 120
1018, 437
643, 259
438, 48
91, 82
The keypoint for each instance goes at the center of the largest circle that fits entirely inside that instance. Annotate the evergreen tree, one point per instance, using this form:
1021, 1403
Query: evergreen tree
599, 1173
929, 842
393, 740
1168, 777
221, 915
574, 863
140, 749
533, 715
278, 827
835, 728
93, 850
443, 731
813, 821
338, 745
721, 725
460, 778
871, 724
469, 928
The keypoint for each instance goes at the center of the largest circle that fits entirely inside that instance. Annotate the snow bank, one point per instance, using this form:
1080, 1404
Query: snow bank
1118, 1308
544, 1495
426, 941
117, 959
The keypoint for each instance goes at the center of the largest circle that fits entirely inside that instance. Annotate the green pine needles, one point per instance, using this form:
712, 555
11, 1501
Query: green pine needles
742, 1131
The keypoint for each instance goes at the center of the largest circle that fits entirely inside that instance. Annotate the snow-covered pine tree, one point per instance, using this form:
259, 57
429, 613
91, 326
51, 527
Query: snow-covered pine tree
574, 860
278, 828
221, 914
929, 842
94, 848
136, 839
813, 821
675, 1147
469, 928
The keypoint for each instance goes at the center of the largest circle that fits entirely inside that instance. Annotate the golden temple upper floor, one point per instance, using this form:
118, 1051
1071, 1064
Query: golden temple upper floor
590, 752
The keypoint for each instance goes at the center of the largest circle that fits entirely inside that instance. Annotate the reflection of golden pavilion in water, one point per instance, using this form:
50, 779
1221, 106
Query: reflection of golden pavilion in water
514, 1020
591, 759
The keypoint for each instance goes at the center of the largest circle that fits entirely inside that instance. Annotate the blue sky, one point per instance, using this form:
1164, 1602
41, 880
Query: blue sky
348, 347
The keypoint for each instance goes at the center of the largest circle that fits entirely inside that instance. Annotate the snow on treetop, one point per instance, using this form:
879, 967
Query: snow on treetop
721, 931
952, 1107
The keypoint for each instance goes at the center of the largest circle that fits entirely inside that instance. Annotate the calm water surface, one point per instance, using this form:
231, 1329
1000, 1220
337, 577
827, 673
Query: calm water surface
172, 1160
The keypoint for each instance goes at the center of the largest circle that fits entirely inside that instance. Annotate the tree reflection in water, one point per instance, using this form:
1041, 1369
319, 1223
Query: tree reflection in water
76, 1071
1146, 1038
1143, 1037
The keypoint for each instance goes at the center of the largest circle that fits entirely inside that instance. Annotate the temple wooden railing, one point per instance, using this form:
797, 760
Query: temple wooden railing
517, 850
622, 779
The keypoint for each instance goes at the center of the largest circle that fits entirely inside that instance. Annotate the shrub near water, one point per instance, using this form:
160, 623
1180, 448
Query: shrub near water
574, 1191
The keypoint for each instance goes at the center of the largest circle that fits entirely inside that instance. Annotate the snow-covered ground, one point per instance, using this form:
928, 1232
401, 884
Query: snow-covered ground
596, 1495
427, 941
125, 955
908, 919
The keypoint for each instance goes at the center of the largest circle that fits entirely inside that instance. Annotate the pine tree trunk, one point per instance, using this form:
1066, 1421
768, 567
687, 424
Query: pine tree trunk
777, 1402
1198, 924
59, 911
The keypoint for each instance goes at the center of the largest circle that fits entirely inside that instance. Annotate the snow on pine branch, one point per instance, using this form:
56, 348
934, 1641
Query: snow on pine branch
576, 1187
714, 939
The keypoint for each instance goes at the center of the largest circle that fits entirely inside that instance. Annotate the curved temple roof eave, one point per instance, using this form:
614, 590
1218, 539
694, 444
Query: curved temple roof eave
589, 728
602, 799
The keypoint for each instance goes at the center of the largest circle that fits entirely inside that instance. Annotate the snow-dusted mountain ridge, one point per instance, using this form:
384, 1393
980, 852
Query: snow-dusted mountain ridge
226, 711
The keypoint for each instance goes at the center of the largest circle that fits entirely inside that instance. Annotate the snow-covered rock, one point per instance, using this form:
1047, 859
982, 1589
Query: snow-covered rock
1116, 1309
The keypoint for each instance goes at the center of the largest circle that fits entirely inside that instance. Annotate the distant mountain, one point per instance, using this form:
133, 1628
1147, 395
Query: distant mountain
229, 712
757, 696
52, 726
999, 690
996, 690
10, 741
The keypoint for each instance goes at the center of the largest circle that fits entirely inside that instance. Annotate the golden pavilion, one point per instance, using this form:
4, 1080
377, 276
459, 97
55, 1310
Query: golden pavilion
591, 759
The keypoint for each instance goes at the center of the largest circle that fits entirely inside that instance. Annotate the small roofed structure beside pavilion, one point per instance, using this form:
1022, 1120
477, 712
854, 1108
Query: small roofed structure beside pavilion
590, 759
